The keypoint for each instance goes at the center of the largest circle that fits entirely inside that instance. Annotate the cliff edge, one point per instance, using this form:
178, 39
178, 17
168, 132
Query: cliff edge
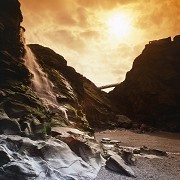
150, 93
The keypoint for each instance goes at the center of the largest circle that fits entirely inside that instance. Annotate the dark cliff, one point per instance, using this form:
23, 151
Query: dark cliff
94, 104
150, 92
21, 110
10, 29
61, 152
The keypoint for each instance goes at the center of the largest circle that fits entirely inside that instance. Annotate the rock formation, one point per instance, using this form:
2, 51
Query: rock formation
85, 104
82, 97
150, 93
27, 148
26, 159
44, 103
10, 19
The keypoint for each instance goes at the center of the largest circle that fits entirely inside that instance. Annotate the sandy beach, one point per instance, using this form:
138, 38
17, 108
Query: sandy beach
160, 168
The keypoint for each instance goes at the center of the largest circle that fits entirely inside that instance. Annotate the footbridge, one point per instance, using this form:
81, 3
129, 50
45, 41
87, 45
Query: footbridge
108, 86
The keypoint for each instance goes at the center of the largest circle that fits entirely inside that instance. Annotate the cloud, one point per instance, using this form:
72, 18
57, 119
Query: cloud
77, 29
158, 18
104, 4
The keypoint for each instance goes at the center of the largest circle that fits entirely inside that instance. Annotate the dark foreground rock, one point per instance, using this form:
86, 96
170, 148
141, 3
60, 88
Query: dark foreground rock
150, 93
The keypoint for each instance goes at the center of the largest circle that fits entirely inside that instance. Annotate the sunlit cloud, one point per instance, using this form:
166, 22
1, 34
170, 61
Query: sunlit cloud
99, 38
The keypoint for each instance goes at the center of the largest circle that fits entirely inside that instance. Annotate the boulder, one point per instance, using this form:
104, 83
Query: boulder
124, 121
117, 164
157, 152
9, 126
105, 140
115, 142
81, 144
4, 157
128, 157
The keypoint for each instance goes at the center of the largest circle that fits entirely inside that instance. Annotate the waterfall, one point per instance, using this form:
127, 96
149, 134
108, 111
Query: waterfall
42, 86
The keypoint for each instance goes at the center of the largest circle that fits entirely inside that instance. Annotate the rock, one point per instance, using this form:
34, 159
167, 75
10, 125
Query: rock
4, 157
52, 159
150, 93
177, 39
115, 142
9, 126
128, 157
11, 18
145, 128
117, 164
66, 131
124, 121
136, 151
87, 105
81, 144
156, 152
105, 140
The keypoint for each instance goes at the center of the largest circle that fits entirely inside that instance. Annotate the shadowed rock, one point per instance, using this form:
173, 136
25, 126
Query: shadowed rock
156, 152
91, 103
150, 93
10, 19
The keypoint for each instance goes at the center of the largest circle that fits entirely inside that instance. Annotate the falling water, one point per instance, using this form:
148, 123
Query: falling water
42, 86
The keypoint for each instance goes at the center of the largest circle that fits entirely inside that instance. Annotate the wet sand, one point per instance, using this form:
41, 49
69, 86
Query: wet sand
164, 168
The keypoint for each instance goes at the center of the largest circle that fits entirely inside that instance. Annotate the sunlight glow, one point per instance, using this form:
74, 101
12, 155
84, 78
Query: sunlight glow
119, 25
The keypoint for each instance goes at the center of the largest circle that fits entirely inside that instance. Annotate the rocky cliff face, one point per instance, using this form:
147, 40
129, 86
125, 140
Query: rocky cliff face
22, 111
10, 30
151, 91
82, 98
25, 117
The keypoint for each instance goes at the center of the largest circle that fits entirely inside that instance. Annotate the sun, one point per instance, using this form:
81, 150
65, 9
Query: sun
119, 25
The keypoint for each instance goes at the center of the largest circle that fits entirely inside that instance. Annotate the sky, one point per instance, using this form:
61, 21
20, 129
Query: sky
99, 38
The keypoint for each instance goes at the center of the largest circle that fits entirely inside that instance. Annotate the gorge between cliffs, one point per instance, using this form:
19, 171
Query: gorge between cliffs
56, 124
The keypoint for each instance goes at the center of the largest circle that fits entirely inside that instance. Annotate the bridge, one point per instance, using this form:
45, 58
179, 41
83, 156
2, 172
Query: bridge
108, 86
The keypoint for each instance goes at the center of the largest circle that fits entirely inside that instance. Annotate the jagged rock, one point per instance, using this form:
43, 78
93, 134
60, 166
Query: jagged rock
157, 152
177, 39
128, 157
81, 144
145, 128
109, 141
115, 142
150, 93
18, 101
10, 19
117, 164
136, 151
21, 111
52, 159
86, 101
105, 140
124, 121
4, 157
9, 126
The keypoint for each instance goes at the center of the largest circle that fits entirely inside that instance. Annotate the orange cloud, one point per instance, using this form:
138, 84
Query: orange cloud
77, 29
